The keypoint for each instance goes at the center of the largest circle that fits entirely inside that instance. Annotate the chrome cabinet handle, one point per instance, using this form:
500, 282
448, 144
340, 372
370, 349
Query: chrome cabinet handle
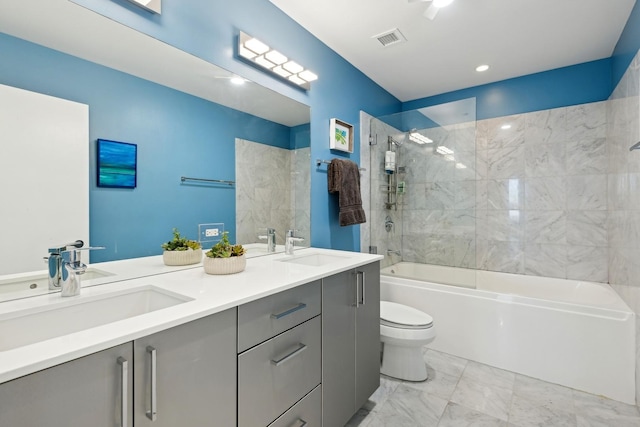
360, 289
124, 393
289, 311
299, 423
357, 290
364, 278
153, 412
294, 353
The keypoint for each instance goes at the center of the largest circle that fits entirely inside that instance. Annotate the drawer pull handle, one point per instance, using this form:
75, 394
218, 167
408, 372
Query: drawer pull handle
152, 414
289, 311
294, 353
124, 372
299, 423
362, 284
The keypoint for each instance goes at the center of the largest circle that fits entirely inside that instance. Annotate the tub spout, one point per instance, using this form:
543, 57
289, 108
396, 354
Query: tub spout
392, 252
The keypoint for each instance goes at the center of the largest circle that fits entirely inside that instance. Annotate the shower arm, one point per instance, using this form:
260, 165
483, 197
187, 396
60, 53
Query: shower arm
635, 146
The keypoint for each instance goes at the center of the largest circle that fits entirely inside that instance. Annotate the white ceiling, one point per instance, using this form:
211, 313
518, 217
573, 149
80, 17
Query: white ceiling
69, 28
515, 37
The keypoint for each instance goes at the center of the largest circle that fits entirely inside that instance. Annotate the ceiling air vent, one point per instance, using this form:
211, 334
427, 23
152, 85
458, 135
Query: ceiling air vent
390, 37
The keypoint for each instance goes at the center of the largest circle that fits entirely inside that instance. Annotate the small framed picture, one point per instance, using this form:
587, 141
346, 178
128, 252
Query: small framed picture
341, 134
117, 164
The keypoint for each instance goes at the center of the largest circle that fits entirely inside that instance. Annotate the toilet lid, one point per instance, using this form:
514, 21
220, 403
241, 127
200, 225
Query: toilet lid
403, 316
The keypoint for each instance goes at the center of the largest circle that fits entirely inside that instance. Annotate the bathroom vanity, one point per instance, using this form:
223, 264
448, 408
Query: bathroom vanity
257, 348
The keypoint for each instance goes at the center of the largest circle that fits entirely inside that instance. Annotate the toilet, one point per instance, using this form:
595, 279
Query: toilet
403, 332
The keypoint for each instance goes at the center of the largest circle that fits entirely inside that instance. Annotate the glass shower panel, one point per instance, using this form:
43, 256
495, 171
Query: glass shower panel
424, 209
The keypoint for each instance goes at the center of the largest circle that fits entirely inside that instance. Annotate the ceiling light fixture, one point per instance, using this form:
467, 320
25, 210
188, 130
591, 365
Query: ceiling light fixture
237, 81
481, 68
259, 53
505, 126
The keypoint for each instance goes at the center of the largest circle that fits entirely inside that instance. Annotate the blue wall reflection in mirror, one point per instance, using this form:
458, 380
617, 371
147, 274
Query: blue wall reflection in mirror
117, 163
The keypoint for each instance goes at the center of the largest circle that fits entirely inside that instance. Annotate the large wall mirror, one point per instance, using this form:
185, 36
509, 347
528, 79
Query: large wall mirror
196, 124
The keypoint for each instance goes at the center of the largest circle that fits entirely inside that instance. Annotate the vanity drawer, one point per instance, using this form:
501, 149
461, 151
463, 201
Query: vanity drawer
274, 375
267, 317
307, 412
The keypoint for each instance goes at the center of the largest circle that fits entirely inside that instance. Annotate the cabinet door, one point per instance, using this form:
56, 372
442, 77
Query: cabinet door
338, 348
195, 374
368, 333
88, 391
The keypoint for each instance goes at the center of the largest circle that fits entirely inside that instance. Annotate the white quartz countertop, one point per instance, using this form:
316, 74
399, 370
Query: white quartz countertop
209, 294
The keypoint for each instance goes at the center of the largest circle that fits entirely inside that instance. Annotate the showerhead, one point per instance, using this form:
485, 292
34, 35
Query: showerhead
393, 141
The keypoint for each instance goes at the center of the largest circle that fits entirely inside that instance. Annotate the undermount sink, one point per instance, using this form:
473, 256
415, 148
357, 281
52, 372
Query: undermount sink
316, 260
40, 281
32, 325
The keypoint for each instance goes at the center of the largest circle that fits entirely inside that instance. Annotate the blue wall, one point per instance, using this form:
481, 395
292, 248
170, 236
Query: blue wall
177, 134
627, 45
209, 29
577, 84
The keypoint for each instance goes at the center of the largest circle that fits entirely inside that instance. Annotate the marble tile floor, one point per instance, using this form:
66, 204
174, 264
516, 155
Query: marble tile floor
461, 392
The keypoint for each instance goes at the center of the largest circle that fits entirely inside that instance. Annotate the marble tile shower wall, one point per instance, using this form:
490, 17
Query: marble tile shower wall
263, 190
624, 181
528, 199
623, 130
300, 179
439, 205
541, 193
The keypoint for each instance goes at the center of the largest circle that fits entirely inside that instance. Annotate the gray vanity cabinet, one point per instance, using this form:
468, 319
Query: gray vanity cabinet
279, 359
350, 342
88, 391
186, 376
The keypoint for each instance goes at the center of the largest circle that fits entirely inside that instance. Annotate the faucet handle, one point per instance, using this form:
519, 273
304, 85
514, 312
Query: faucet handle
73, 255
67, 246
291, 233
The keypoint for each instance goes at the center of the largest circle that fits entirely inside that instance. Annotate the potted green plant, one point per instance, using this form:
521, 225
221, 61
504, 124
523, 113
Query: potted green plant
181, 251
224, 258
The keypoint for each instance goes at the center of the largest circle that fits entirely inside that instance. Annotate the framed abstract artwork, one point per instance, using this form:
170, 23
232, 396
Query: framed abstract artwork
341, 134
117, 164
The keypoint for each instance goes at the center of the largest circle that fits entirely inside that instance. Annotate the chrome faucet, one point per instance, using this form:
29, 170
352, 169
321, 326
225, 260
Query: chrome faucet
54, 260
289, 243
392, 252
270, 237
66, 267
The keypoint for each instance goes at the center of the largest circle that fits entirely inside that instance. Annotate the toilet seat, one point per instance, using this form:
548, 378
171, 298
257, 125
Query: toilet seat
403, 317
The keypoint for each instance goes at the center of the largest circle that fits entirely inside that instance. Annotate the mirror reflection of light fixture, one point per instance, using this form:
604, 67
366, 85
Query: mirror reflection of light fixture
258, 53
419, 138
154, 6
444, 150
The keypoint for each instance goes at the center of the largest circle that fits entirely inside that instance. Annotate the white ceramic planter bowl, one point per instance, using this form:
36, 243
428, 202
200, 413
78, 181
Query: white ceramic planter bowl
182, 257
234, 264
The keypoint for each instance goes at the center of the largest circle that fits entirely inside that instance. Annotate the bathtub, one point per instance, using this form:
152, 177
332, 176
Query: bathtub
573, 333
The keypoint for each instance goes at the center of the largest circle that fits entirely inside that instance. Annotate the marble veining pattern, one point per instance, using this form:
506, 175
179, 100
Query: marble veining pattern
622, 131
461, 393
534, 191
276, 196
